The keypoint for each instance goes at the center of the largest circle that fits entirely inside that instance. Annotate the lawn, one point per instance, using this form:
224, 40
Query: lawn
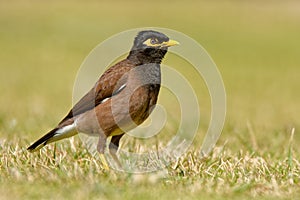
256, 47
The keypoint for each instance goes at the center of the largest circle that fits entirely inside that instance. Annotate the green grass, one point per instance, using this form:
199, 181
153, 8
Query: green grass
256, 47
72, 173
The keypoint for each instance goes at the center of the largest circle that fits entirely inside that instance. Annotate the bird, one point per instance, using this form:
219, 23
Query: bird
121, 99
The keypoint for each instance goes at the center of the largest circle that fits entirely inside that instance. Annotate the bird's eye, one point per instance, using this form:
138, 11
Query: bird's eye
153, 41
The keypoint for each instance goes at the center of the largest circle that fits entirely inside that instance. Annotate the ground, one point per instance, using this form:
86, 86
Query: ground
254, 44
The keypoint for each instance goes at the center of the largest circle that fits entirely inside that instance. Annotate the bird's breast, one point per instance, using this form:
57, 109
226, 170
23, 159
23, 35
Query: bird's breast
142, 102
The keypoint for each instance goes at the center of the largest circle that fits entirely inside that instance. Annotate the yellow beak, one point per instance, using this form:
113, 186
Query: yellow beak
170, 43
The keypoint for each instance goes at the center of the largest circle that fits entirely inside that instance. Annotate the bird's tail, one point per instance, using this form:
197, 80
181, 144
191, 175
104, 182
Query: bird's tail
52, 136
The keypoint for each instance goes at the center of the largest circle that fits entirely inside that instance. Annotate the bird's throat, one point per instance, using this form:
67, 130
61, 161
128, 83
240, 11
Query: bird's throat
146, 56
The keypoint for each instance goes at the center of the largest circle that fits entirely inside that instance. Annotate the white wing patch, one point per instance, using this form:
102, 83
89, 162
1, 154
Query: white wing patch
115, 93
120, 89
106, 99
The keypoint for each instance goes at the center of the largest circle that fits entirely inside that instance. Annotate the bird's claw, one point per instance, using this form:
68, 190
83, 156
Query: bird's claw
104, 162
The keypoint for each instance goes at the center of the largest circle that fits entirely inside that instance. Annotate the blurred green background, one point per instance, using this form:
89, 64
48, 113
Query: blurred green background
255, 44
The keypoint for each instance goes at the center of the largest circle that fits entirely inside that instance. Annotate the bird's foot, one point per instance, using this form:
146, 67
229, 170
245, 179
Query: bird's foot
104, 162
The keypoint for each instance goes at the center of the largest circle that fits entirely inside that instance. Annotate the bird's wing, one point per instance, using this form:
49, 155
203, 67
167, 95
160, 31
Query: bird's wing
110, 83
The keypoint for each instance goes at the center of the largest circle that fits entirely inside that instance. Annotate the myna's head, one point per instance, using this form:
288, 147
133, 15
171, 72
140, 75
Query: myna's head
150, 46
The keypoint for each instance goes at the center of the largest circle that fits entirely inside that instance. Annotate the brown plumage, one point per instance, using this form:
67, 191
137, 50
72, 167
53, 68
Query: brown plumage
121, 99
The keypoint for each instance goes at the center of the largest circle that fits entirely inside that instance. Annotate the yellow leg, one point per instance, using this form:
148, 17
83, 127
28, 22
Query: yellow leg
104, 162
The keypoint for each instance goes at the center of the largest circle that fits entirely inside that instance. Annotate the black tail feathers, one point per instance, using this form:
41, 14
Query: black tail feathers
42, 141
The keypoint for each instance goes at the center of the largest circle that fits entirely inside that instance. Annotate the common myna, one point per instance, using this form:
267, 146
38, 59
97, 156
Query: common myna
121, 99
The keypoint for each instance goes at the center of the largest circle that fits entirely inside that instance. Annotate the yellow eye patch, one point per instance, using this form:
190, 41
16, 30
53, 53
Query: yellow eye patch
154, 43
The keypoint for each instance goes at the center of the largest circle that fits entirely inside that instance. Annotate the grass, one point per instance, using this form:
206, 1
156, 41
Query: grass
72, 173
255, 45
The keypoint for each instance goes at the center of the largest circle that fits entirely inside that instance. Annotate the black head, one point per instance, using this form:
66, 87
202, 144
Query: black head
150, 47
